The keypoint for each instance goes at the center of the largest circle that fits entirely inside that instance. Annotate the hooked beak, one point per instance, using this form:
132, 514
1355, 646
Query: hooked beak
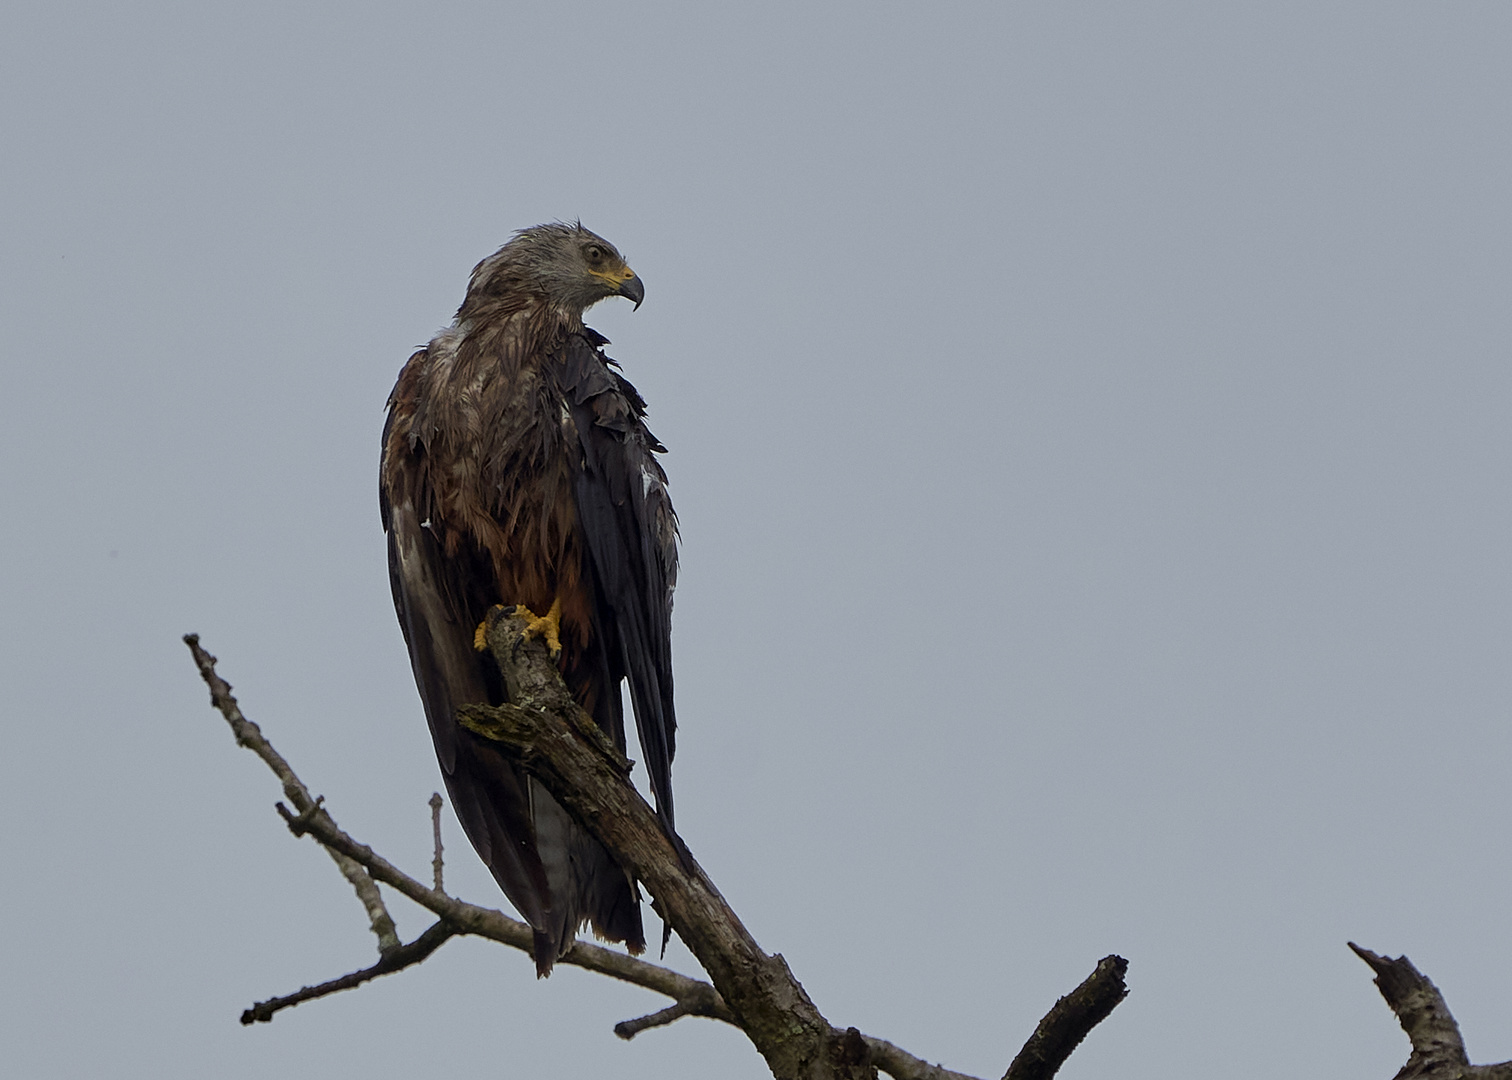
633, 289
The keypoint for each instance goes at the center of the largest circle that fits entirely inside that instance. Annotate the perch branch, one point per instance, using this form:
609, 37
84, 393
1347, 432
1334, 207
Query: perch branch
1438, 1049
849, 1049
550, 737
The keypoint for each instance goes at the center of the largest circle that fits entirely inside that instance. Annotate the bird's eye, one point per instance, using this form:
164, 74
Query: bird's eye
594, 253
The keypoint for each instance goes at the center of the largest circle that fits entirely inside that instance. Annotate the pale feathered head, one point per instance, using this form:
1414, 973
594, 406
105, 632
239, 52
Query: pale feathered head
566, 265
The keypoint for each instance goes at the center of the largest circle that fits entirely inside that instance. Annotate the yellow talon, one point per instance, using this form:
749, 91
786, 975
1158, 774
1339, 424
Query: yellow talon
480, 635
547, 626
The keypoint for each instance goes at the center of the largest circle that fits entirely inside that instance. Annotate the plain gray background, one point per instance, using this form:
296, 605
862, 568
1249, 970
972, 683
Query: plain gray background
1089, 427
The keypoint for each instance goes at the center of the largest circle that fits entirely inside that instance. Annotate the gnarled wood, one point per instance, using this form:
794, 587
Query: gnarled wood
1438, 1049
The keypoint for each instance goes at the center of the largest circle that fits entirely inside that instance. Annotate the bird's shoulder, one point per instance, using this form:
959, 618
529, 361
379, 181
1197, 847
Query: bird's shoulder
590, 380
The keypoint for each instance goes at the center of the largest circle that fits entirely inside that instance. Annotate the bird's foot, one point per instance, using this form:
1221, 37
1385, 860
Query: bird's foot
480, 635
547, 626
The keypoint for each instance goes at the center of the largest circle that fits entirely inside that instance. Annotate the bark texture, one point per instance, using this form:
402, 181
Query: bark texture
1069, 1022
1438, 1049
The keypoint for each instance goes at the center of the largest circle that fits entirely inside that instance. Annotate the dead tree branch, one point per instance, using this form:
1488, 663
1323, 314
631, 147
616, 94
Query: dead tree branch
1067, 1024
553, 740
629, 1029
1438, 1049
560, 745
393, 960
699, 998
250, 736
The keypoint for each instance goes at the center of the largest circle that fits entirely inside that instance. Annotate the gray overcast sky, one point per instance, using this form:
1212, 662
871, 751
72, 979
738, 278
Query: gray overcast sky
1089, 426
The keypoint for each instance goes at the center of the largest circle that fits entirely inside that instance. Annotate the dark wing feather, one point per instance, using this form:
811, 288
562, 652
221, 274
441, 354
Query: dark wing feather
631, 535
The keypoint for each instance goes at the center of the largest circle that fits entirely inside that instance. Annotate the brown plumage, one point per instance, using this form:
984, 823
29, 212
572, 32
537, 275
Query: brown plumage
517, 469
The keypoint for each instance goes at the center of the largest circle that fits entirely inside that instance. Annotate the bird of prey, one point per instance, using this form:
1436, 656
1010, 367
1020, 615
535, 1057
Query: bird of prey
518, 469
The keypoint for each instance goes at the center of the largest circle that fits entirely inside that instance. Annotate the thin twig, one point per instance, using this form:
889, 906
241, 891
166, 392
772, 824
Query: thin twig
629, 1029
367, 892
394, 960
250, 736
435, 806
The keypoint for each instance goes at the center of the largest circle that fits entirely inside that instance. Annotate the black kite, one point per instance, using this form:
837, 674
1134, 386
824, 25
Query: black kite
518, 469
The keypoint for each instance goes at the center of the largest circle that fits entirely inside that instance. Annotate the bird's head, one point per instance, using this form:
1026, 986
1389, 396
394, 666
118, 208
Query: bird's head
569, 266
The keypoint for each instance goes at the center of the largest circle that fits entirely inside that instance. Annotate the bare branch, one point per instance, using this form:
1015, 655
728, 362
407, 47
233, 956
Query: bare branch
435, 806
250, 736
1422, 1011
845, 1053
1438, 1049
629, 1029
394, 960
544, 730
1069, 1020
699, 998
367, 891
